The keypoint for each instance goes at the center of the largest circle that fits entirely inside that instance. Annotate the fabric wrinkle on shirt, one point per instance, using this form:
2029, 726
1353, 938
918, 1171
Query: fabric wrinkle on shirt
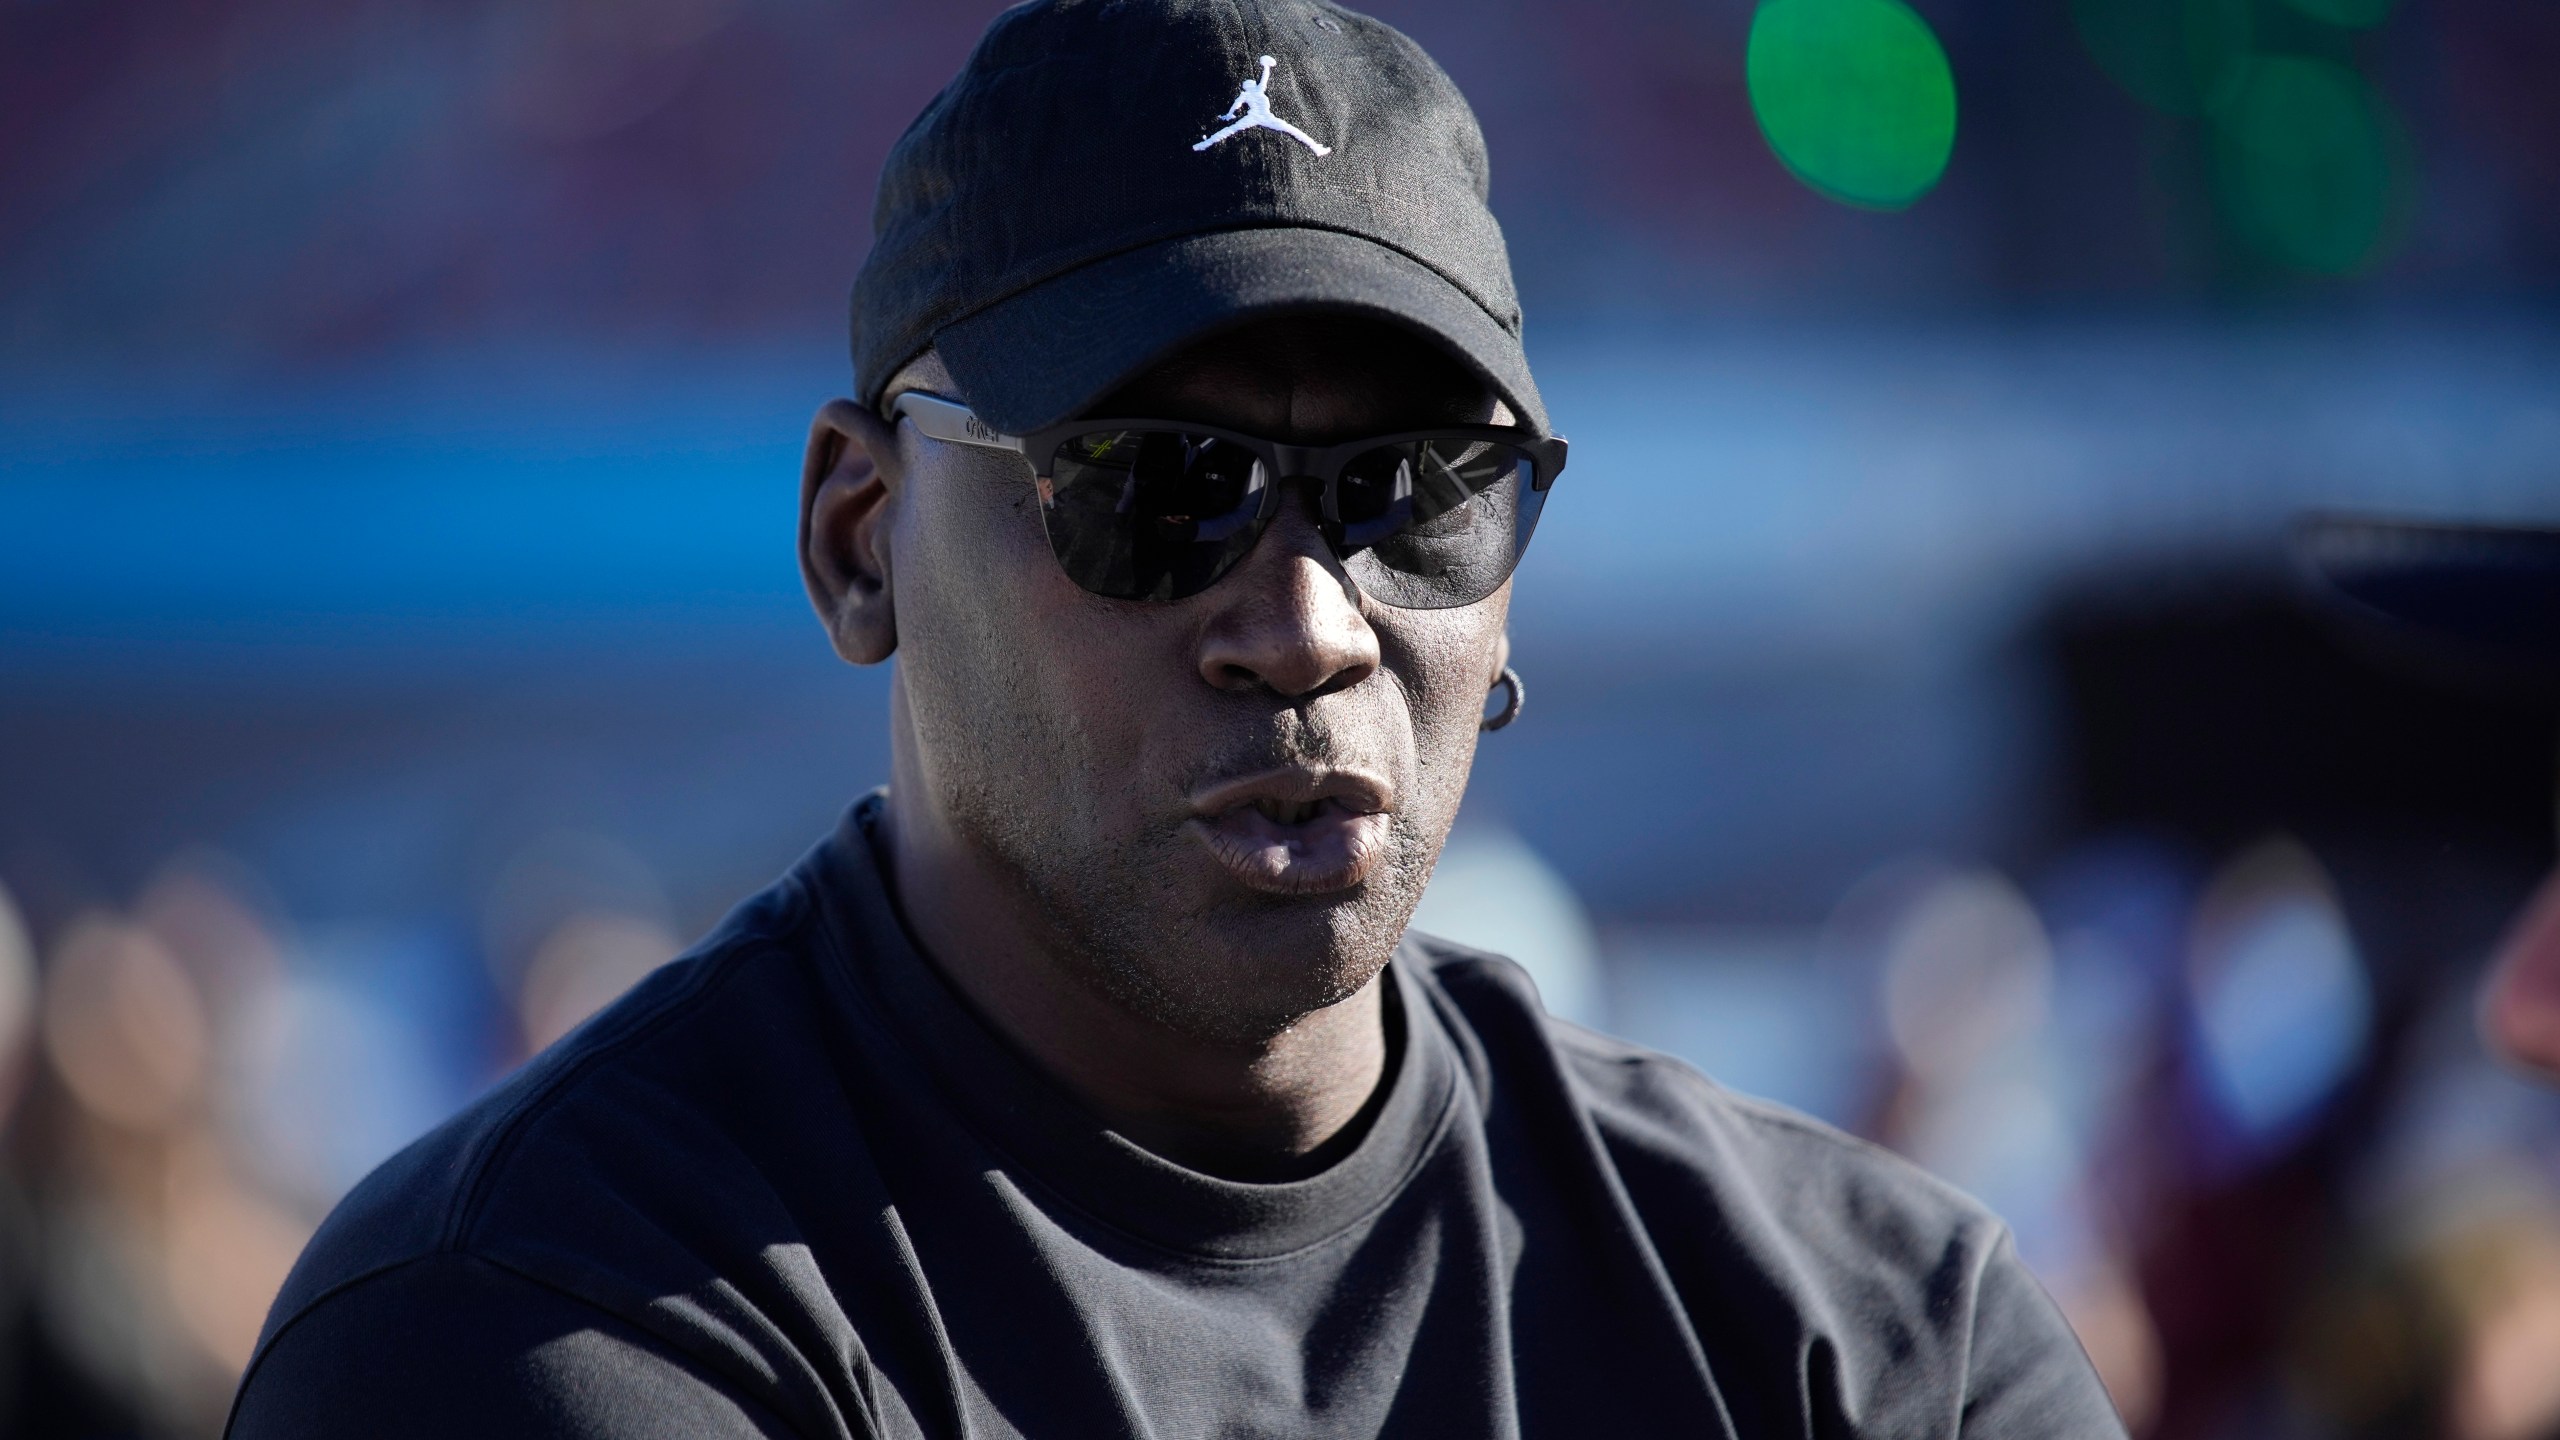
793, 1185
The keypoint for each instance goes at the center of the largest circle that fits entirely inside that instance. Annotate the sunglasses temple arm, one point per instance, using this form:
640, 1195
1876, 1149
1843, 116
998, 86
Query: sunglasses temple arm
948, 421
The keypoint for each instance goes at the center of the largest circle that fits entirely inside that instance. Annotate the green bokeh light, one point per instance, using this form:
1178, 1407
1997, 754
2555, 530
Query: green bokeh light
2312, 166
1855, 96
2187, 57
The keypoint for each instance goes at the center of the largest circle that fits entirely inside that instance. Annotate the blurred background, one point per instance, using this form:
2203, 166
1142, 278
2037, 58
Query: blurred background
401, 647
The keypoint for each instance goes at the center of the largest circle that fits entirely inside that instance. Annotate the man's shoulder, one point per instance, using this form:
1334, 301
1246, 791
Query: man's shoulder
1829, 1244
1832, 1199
449, 1344
637, 1098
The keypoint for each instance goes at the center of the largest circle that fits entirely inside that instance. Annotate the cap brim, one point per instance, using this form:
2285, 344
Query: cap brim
1042, 355
2491, 586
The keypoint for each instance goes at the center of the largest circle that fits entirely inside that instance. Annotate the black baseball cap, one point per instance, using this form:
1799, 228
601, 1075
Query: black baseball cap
2492, 588
1108, 180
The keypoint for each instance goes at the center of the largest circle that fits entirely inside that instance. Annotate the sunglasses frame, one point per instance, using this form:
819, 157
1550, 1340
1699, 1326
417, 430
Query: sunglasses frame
955, 423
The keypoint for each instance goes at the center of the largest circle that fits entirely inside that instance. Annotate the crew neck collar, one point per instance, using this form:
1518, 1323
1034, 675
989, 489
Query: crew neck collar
1059, 1145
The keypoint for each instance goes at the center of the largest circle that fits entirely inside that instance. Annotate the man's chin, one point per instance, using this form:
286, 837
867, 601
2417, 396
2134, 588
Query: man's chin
1255, 970
1179, 937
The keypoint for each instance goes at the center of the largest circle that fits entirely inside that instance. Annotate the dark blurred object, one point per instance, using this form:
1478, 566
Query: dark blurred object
2492, 588
2222, 707
2221, 711
2494, 592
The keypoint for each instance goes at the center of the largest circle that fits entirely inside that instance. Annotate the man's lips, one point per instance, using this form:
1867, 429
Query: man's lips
1295, 831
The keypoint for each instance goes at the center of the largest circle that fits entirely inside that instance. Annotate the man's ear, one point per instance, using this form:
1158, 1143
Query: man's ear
844, 530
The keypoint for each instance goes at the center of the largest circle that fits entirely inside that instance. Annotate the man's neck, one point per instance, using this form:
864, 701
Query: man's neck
1267, 1110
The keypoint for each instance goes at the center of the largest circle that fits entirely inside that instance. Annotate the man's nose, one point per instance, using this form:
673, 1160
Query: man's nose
1287, 618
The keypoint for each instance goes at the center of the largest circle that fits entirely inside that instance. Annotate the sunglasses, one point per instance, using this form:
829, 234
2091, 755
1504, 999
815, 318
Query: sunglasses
1159, 510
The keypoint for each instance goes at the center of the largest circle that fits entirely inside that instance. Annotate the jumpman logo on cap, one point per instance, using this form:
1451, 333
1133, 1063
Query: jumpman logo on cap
1253, 103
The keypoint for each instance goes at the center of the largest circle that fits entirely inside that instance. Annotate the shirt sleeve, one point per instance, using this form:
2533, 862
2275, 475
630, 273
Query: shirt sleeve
2027, 1375
450, 1344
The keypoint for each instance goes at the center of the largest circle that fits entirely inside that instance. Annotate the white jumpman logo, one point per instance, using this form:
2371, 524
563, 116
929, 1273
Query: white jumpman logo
1254, 102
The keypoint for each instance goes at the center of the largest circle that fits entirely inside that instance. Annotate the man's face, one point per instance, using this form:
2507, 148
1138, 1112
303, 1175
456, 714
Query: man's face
1222, 809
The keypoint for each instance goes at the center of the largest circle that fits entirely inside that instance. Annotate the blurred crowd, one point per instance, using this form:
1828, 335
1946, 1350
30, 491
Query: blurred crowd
2268, 1171
190, 1083
2278, 1192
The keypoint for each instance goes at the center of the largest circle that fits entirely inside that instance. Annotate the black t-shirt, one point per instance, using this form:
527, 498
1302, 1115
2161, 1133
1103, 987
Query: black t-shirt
793, 1186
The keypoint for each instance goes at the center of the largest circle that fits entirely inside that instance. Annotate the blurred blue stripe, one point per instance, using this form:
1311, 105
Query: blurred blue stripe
404, 530
1763, 489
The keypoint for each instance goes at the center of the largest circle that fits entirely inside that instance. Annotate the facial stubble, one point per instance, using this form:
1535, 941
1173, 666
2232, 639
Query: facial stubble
1213, 961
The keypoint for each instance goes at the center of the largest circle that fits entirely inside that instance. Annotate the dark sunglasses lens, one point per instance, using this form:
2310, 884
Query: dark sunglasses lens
1151, 514
1428, 524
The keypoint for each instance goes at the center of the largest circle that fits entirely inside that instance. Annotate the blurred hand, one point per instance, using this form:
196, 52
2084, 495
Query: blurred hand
2520, 1011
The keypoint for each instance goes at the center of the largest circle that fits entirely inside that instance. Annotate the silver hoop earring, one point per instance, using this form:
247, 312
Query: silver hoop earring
1513, 699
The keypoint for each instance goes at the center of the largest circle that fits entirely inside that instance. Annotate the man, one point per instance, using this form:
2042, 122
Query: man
1086, 1082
